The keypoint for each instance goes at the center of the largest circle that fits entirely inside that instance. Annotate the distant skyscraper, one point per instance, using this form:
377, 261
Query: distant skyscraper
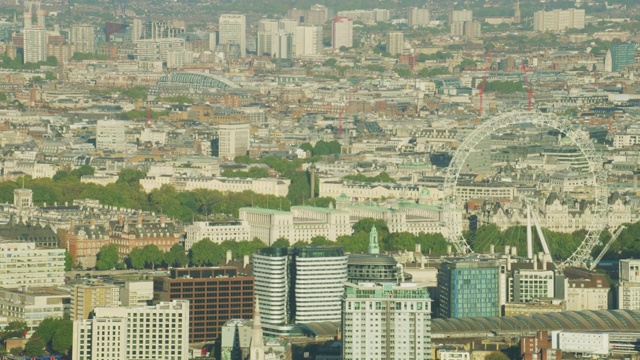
83, 39
35, 35
620, 56
418, 17
298, 285
558, 20
266, 30
517, 16
308, 40
232, 28
386, 322
462, 24
341, 32
137, 29
395, 42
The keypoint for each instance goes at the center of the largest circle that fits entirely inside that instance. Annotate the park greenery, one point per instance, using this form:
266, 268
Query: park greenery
18, 64
323, 148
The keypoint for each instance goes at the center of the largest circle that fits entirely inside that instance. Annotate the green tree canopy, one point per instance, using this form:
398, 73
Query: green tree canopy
62, 340
176, 256
15, 329
496, 355
281, 242
107, 258
382, 177
206, 253
34, 347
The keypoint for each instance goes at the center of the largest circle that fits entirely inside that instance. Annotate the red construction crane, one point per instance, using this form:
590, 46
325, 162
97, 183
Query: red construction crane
344, 108
484, 81
528, 86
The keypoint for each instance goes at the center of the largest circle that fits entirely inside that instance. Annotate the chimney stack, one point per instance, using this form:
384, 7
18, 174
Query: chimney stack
245, 261
229, 256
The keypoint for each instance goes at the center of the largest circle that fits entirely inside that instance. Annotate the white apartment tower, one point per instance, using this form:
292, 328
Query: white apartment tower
308, 40
395, 42
83, 39
418, 17
298, 285
341, 32
233, 31
234, 140
110, 135
386, 321
629, 286
35, 35
134, 333
266, 30
558, 20
23, 264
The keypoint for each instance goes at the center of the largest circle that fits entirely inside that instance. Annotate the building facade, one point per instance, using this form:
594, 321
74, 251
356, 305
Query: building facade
418, 17
134, 333
83, 39
386, 322
298, 285
215, 294
234, 140
232, 31
558, 20
395, 42
308, 40
341, 32
469, 289
85, 298
22, 264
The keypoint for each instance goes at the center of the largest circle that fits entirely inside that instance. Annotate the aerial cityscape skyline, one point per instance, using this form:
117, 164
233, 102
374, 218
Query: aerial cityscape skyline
253, 180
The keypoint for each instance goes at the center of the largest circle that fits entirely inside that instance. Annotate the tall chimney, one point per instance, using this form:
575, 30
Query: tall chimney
245, 261
419, 248
229, 256
514, 251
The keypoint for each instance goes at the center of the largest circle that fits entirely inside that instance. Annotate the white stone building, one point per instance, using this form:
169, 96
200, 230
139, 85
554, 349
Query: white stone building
216, 231
386, 321
22, 264
270, 186
134, 333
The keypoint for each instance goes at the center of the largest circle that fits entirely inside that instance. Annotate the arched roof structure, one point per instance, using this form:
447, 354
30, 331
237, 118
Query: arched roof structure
199, 80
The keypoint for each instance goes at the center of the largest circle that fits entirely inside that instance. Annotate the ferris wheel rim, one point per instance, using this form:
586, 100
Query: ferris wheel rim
452, 220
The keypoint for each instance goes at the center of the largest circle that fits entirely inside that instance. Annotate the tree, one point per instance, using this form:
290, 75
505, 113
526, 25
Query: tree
496, 355
206, 253
15, 329
365, 225
62, 340
16, 351
152, 256
321, 241
176, 256
331, 62
130, 176
47, 328
281, 242
34, 347
107, 257
68, 261
136, 259
49, 75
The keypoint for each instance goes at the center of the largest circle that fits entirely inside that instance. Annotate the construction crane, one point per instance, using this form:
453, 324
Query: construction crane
484, 81
615, 235
344, 108
527, 84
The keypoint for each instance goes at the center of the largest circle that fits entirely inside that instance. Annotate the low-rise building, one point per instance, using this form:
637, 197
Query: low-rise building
216, 231
275, 187
32, 305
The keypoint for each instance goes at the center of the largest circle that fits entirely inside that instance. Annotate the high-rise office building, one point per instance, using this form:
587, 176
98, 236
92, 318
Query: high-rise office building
83, 39
22, 264
134, 333
386, 321
232, 31
216, 295
395, 42
418, 17
620, 56
469, 288
308, 40
266, 30
298, 285
341, 32
558, 20
233, 140
317, 15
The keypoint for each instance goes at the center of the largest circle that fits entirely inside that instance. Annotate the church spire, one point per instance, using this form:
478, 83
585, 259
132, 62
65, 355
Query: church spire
256, 351
373, 241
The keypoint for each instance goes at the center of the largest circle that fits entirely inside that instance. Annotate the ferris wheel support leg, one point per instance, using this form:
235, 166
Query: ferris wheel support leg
543, 241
